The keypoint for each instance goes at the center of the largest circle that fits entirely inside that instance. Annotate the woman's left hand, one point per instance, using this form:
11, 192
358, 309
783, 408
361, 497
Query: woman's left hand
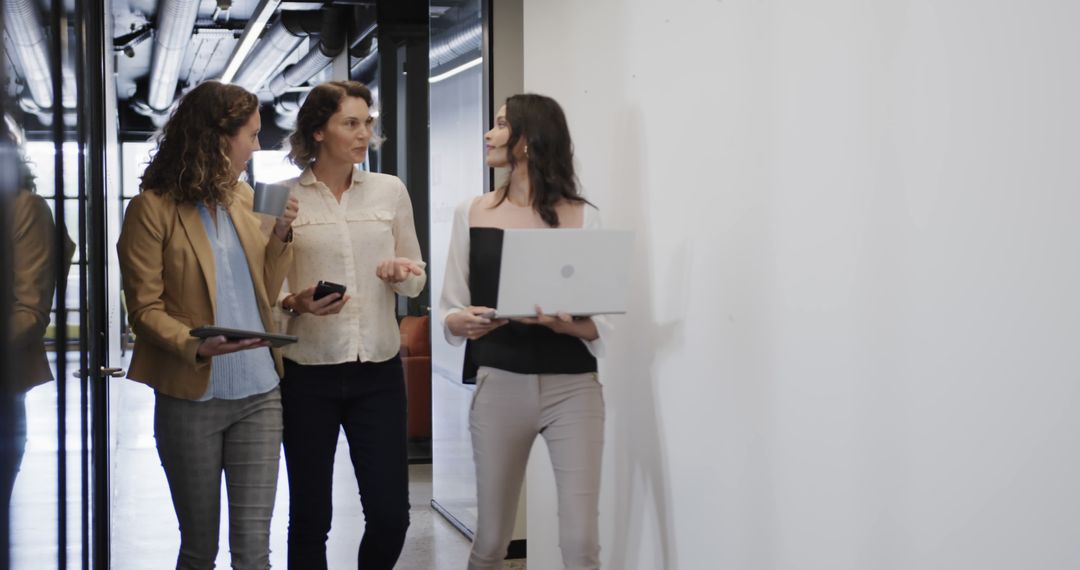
284, 223
556, 322
397, 270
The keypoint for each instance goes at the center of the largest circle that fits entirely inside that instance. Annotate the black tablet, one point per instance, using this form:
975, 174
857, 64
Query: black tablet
276, 340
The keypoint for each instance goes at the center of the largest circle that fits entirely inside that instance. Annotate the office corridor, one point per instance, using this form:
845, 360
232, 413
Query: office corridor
144, 532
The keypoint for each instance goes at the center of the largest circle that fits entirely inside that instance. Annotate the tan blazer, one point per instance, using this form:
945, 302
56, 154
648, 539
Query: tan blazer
34, 281
167, 266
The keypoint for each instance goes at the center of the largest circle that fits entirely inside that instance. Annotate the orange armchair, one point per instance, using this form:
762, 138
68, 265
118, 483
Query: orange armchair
416, 359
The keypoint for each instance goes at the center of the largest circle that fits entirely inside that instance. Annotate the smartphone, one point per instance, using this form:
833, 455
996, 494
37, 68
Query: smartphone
324, 288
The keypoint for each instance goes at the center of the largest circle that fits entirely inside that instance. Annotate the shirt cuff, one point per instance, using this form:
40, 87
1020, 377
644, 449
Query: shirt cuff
284, 242
450, 337
411, 286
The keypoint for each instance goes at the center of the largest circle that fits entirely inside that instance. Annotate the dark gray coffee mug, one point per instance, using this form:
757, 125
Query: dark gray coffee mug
271, 199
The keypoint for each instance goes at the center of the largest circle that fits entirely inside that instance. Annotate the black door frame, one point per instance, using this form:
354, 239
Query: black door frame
90, 16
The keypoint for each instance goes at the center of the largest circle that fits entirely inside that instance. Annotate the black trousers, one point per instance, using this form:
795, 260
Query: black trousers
368, 400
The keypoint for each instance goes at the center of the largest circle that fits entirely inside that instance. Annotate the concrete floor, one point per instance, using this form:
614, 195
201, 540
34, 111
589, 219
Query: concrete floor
144, 531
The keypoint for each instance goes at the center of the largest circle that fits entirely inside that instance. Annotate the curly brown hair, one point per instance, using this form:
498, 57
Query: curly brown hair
321, 103
191, 164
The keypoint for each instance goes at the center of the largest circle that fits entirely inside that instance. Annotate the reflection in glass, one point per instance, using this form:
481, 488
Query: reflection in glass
32, 236
39, 122
457, 117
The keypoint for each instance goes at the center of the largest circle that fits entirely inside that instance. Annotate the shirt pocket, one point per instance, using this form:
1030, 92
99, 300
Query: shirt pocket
314, 226
370, 216
311, 219
375, 228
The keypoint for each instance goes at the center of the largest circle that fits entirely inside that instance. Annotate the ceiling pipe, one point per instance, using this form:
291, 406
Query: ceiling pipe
460, 40
279, 41
286, 108
22, 23
365, 66
331, 44
365, 52
254, 28
175, 22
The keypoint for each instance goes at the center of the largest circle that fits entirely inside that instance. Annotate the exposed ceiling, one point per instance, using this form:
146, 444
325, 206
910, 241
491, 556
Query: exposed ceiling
165, 47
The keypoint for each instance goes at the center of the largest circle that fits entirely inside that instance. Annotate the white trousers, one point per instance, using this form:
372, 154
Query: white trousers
508, 411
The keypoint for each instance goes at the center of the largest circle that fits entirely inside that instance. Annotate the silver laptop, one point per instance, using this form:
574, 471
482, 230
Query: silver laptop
575, 271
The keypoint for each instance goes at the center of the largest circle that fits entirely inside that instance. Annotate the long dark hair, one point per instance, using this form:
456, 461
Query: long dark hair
321, 104
192, 164
542, 123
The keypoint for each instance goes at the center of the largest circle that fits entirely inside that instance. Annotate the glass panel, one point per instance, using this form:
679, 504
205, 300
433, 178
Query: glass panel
42, 258
457, 174
134, 158
41, 157
44, 326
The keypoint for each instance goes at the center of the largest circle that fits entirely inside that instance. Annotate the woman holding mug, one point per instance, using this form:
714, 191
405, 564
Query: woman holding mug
192, 253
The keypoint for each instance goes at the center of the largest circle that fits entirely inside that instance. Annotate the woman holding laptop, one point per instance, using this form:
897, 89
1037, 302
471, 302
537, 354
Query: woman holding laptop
193, 253
355, 230
534, 376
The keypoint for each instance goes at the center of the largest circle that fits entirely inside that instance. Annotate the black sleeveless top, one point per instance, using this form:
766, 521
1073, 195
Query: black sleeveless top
515, 347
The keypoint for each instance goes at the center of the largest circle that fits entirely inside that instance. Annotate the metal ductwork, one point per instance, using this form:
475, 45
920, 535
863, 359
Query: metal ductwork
28, 45
460, 40
175, 22
286, 108
366, 65
331, 43
365, 52
298, 73
289, 103
276, 44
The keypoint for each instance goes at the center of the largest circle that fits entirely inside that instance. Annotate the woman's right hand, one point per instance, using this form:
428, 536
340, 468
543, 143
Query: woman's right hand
304, 302
473, 322
216, 345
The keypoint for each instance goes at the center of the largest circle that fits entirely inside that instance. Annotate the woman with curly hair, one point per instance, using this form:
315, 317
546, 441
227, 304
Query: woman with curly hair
192, 253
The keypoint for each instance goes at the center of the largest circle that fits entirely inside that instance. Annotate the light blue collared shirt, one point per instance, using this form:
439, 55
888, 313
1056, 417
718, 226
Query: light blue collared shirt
247, 372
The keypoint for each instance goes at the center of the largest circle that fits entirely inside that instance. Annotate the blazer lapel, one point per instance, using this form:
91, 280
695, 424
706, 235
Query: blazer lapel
200, 242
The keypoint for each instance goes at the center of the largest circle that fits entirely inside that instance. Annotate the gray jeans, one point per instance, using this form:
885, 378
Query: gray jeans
197, 441
508, 411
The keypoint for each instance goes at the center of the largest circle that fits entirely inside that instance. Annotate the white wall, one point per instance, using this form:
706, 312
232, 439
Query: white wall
855, 334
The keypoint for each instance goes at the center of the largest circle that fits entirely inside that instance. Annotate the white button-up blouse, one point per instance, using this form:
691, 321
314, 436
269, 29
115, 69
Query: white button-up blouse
344, 243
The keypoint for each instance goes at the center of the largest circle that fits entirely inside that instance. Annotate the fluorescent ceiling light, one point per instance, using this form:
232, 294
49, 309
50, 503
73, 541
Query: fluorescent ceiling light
456, 70
14, 129
252, 31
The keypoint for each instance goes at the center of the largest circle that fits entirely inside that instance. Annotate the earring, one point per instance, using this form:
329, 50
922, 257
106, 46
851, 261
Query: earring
526, 151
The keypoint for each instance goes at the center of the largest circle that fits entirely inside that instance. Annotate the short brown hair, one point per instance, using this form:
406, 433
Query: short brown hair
321, 103
191, 164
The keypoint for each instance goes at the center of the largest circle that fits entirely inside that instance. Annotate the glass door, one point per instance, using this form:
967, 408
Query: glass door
54, 358
456, 80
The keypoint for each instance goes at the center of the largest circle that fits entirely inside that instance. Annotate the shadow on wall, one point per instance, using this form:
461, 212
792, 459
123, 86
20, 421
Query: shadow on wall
642, 485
